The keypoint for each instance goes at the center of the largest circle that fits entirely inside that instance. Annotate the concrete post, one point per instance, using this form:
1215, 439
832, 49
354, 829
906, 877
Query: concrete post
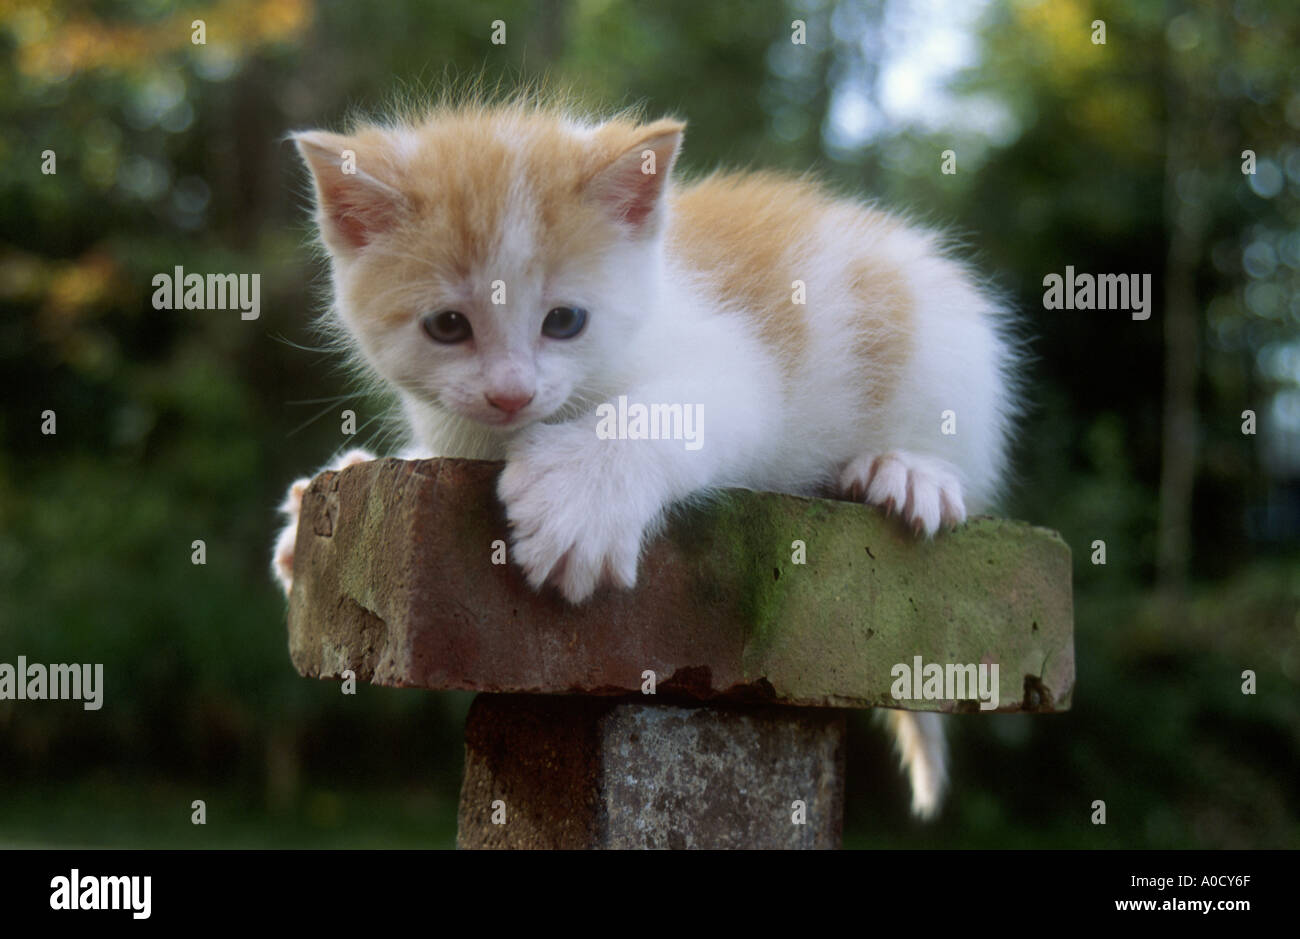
580, 772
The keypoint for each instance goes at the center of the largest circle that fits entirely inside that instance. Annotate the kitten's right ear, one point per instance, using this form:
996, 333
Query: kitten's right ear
353, 202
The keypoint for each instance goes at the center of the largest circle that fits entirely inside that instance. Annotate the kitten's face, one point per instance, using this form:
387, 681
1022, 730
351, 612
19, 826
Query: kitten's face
494, 264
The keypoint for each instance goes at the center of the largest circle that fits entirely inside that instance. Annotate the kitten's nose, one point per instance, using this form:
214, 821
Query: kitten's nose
508, 403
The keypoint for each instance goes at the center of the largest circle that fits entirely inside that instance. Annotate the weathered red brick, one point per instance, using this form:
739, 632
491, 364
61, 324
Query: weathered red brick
393, 579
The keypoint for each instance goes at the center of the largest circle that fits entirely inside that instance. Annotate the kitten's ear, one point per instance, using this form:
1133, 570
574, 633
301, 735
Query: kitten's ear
632, 186
353, 201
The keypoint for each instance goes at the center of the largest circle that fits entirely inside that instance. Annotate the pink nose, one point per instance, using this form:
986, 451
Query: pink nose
509, 403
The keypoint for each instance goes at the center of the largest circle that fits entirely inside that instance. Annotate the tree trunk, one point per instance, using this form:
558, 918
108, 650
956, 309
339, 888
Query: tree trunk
1191, 138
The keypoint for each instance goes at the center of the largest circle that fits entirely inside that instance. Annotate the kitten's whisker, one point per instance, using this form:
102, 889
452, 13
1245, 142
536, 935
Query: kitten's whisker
369, 422
324, 350
311, 420
342, 397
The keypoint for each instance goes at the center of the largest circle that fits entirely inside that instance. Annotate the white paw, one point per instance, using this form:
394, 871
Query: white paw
577, 509
291, 508
924, 491
351, 458
282, 557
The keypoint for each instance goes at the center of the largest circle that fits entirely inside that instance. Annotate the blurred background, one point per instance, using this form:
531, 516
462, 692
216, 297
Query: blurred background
181, 425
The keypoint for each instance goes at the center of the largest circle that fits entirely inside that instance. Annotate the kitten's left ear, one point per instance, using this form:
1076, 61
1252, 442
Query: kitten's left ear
632, 186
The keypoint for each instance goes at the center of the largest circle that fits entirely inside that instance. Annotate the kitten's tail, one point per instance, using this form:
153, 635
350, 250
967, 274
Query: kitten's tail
924, 755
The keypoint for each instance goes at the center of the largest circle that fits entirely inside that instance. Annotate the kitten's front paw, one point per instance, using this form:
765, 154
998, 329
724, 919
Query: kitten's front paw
924, 491
577, 517
291, 508
282, 556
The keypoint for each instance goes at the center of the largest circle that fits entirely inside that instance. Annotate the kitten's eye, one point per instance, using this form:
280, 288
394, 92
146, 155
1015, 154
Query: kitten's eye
447, 326
564, 322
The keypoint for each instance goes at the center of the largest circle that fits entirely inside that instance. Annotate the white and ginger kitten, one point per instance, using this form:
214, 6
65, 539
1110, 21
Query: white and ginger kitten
506, 269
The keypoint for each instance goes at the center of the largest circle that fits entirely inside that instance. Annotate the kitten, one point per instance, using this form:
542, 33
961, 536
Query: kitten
507, 269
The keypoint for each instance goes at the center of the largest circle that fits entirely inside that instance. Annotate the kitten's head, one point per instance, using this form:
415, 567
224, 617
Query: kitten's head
494, 262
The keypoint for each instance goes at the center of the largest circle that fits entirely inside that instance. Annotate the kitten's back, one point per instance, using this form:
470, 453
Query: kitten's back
784, 251
866, 317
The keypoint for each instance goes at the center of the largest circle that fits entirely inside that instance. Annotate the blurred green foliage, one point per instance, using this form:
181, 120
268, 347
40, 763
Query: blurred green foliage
175, 426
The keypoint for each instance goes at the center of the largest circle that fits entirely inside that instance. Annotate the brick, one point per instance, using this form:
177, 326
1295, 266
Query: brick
393, 579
